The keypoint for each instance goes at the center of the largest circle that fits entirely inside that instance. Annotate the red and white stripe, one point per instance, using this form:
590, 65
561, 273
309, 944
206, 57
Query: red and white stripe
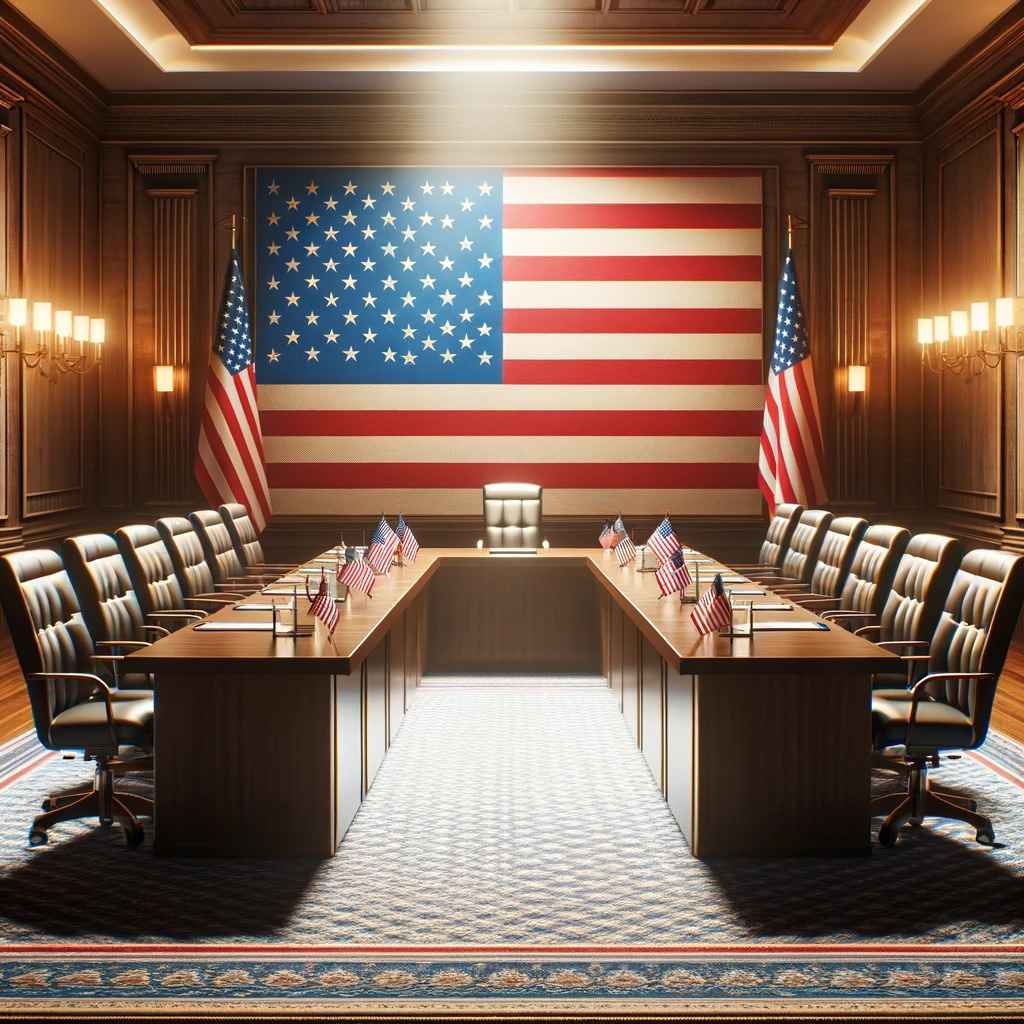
632, 378
230, 460
713, 611
358, 576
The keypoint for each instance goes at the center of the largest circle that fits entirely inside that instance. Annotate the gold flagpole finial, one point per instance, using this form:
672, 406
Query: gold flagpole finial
234, 231
789, 231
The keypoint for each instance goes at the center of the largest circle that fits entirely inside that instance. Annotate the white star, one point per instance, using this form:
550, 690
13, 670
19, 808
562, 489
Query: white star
467, 341
292, 234
447, 356
369, 299
330, 264
349, 282
484, 298
349, 218
447, 263
447, 297
331, 299
484, 329
426, 218
313, 218
273, 356
389, 354
484, 357
350, 317
389, 219
465, 281
350, 188
349, 249
368, 264
427, 249
467, 205
331, 203
408, 264
388, 248
273, 188
312, 319
273, 283
485, 261
485, 189
312, 250
465, 316
389, 282
448, 328
275, 317
293, 299
429, 317
369, 202
427, 189
485, 222
313, 354
427, 282
331, 337
409, 359
292, 337
387, 188
408, 332
447, 222
428, 342
388, 317
312, 188
447, 189
466, 245
369, 336
292, 204
408, 299
330, 234
312, 282
350, 354
409, 234
369, 232
273, 219
408, 204
273, 249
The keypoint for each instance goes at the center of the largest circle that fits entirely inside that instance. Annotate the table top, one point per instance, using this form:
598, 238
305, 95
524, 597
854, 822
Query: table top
364, 621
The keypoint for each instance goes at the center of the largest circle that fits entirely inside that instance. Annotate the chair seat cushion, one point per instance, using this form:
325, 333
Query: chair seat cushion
84, 726
937, 725
888, 681
142, 694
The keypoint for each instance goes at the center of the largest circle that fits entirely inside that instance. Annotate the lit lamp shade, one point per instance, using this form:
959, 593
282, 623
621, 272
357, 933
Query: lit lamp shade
17, 312
42, 316
1005, 314
163, 379
979, 316
80, 327
941, 328
925, 331
958, 323
97, 331
62, 321
856, 378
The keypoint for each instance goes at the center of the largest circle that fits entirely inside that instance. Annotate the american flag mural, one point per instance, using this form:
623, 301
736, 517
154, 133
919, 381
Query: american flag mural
423, 331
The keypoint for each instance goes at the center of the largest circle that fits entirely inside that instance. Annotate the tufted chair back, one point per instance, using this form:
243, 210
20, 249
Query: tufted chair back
243, 534
919, 587
839, 545
780, 531
186, 550
150, 568
103, 587
218, 548
805, 543
974, 632
872, 569
48, 632
512, 515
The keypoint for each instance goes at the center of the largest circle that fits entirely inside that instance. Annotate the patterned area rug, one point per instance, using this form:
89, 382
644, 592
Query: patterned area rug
514, 855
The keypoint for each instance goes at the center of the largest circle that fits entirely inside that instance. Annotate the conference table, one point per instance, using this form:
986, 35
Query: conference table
266, 745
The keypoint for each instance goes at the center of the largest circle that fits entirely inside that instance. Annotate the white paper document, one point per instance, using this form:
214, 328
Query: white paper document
230, 626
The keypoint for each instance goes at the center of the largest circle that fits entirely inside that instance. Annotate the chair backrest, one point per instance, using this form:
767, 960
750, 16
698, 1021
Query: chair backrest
839, 545
243, 533
48, 631
873, 568
780, 531
103, 587
150, 568
186, 550
974, 632
513, 515
805, 543
218, 548
919, 587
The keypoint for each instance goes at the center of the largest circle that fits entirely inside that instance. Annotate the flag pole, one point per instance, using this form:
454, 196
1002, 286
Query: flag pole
234, 231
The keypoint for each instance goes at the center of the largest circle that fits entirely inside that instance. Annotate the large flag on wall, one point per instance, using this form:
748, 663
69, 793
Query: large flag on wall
423, 331
790, 467
229, 464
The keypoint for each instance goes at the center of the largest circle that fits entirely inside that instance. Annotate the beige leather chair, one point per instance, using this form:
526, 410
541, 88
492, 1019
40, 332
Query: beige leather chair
220, 554
194, 572
835, 556
801, 557
776, 540
72, 707
950, 707
246, 540
513, 515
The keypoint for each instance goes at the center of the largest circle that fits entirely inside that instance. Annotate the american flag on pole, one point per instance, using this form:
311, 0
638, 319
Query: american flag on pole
790, 467
383, 545
625, 551
664, 540
357, 575
673, 575
607, 536
323, 606
423, 331
230, 462
713, 610
408, 545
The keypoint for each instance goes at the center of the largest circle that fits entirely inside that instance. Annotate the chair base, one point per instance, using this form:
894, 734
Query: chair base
920, 801
99, 800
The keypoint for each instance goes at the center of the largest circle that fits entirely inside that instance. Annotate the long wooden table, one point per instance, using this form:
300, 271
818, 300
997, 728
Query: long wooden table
266, 746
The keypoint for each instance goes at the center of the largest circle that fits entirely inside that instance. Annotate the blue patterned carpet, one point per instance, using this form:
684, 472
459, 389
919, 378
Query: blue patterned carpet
514, 852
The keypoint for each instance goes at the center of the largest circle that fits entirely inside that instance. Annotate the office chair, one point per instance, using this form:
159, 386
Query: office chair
513, 515
950, 707
801, 556
863, 595
72, 709
219, 550
246, 540
776, 540
832, 565
195, 574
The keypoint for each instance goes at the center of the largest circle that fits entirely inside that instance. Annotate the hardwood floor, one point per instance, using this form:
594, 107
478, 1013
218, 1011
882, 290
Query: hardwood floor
16, 717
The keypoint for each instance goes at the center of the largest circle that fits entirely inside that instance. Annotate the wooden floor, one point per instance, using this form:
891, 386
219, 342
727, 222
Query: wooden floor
16, 718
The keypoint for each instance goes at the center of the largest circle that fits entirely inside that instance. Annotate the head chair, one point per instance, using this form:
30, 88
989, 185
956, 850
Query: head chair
513, 515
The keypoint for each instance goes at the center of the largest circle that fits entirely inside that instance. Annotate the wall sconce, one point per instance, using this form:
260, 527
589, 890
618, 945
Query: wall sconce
163, 379
856, 379
64, 325
970, 334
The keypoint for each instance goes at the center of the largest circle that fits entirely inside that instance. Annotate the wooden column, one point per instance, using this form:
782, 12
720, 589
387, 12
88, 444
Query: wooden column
173, 272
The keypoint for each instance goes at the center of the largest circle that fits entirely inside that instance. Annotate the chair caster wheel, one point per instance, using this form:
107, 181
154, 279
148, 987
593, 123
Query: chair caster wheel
47, 804
887, 835
133, 836
986, 836
37, 837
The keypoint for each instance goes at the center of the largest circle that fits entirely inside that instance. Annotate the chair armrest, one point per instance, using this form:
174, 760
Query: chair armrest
918, 687
839, 614
864, 630
806, 600
217, 600
177, 613
892, 645
114, 644
86, 677
274, 567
